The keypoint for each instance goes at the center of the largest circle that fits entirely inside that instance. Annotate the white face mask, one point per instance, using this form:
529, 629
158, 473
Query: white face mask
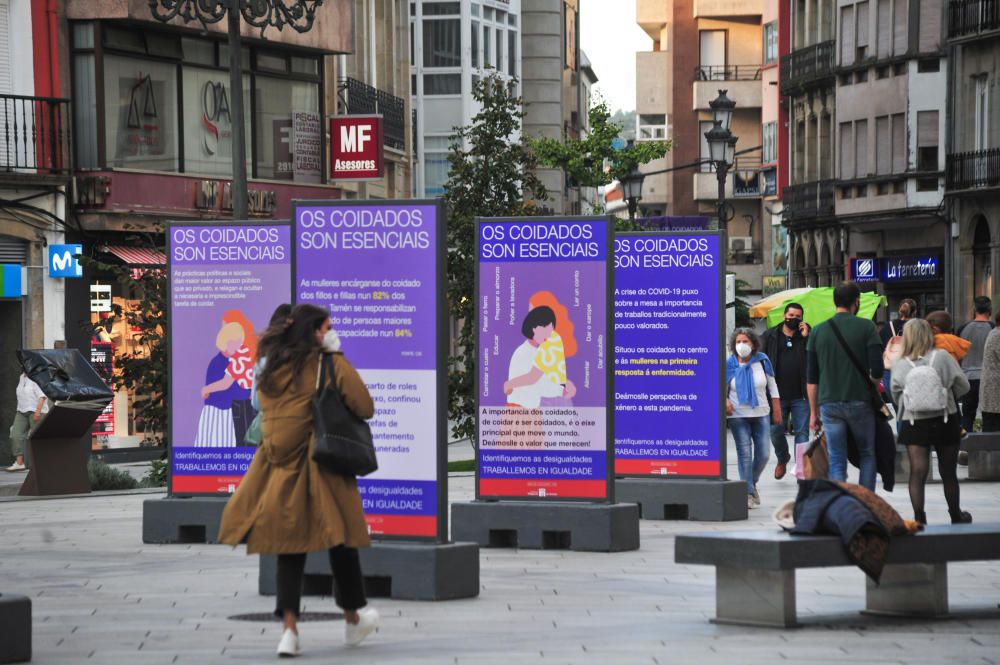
743, 350
331, 342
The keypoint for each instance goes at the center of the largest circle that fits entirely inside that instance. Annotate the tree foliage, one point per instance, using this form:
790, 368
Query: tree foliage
492, 175
584, 159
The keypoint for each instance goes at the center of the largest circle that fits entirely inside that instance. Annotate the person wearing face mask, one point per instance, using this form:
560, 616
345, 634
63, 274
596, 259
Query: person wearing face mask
840, 396
785, 347
286, 504
749, 383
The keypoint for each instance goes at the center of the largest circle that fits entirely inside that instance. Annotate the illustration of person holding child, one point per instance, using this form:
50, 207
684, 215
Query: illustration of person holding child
537, 374
227, 412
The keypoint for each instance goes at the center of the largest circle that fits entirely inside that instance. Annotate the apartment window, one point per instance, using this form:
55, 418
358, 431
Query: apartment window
442, 84
442, 8
862, 31
141, 114
927, 65
512, 52
846, 151
475, 43
981, 87
883, 146
883, 29
652, 127
929, 26
899, 69
499, 44
899, 153
861, 76
770, 42
770, 142
442, 42
927, 140
487, 47
861, 147
883, 72
713, 53
847, 35
280, 103
900, 11
706, 155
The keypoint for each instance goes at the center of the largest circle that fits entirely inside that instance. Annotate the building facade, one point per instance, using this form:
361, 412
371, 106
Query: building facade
972, 186
701, 47
453, 46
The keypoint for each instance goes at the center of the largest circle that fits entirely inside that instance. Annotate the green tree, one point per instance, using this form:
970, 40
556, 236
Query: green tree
143, 370
492, 175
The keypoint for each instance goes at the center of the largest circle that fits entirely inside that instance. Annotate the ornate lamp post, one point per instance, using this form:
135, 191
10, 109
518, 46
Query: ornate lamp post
722, 147
632, 191
298, 14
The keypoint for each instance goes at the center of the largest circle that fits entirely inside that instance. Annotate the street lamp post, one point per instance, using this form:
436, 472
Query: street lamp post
722, 147
299, 14
632, 191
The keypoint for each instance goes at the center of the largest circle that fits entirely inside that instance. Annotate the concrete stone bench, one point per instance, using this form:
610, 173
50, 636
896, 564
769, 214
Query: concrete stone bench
15, 628
984, 455
755, 570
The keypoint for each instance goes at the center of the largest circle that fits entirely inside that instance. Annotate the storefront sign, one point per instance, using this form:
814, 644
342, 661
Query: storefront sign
307, 146
11, 280
769, 182
746, 184
543, 386
63, 261
669, 350
864, 270
102, 359
100, 298
379, 268
773, 284
225, 280
356, 147
910, 268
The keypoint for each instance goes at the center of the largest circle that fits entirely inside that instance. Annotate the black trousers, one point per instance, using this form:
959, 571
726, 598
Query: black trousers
970, 404
991, 422
348, 582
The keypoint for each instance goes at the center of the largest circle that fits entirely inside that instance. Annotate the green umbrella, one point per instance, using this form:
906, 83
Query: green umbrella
819, 307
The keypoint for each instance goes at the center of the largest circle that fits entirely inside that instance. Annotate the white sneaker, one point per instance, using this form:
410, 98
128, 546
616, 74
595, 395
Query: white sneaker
288, 647
355, 633
755, 496
750, 504
16, 467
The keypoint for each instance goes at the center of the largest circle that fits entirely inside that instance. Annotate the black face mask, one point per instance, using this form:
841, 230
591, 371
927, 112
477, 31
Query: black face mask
793, 324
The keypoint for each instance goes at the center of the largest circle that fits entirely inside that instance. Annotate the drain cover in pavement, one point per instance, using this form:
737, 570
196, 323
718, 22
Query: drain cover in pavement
305, 616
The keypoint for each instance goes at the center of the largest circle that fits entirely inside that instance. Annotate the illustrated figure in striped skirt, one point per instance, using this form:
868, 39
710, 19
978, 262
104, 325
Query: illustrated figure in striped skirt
215, 426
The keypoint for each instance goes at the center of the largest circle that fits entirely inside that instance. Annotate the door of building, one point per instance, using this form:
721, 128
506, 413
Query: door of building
11, 339
713, 54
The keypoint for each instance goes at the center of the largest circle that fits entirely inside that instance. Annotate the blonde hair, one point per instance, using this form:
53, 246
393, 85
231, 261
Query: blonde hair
918, 339
228, 333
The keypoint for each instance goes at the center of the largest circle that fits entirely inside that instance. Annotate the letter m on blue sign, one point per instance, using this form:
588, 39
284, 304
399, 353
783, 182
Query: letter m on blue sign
62, 261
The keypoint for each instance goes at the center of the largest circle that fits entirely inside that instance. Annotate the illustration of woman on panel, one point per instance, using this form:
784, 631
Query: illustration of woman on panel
215, 426
537, 374
240, 370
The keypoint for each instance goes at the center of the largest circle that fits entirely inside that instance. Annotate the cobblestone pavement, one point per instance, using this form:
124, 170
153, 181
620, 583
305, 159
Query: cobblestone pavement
101, 596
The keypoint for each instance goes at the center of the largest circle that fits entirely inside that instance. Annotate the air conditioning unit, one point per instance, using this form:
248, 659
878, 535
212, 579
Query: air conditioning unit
740, 243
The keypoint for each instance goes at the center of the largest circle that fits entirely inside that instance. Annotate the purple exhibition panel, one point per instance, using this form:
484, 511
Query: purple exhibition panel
225, 280
669, 318
377, 267
542, 366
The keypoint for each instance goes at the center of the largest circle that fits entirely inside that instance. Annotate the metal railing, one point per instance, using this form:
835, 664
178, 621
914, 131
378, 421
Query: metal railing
810, 199
359, 98
727, 73
970, 17
971, 170
809, 66
35, 135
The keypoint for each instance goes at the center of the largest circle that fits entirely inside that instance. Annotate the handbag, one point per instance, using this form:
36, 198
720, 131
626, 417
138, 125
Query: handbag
816, 459
343, 442
878, 406
894, 349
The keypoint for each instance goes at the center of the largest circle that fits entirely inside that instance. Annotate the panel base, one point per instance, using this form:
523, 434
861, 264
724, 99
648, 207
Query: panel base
15, 617
174, 520
684, 499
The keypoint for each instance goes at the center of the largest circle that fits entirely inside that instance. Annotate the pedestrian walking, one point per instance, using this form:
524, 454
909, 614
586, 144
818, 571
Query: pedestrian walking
844, 365
785, 347
287, 505
989, 381
975, 332
927, 384
753, 400
892, 339
944, 337
31, 406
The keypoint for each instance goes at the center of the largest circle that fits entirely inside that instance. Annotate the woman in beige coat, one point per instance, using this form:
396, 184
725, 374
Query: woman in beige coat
286, 504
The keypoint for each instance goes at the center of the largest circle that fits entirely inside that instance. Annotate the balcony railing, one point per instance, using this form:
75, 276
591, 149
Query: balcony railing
727, 73
808, 200
35, 136
359, 98
971, 17
807, 67
973, 170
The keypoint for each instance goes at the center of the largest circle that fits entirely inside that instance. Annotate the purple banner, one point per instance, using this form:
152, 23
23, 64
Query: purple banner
668, 319
542, 389
225, 282
375, 267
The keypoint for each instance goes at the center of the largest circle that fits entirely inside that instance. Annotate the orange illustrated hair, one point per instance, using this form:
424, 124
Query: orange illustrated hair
249, 337
564, 326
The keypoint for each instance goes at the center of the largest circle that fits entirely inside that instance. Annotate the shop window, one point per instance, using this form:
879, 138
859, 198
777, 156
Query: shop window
288, 130
208, 121
140, 120
305, 66
163, 45
272, 62
83, 35
198, 51
121, 39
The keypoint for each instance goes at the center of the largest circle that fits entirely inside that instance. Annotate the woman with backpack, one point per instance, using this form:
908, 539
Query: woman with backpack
927, 384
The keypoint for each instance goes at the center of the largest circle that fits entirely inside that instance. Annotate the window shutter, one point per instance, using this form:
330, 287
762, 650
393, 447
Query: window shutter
13, 250
927, 129
884, 28
883, 146
846, 151
6, 77
930, 25
862, 24
899, 16
899, 154
861, 147
846, 35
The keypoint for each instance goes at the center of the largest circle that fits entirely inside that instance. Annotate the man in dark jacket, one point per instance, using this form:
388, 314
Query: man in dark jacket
785, 346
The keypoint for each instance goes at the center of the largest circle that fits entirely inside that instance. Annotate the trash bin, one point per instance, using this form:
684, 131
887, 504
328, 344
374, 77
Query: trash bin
59, 447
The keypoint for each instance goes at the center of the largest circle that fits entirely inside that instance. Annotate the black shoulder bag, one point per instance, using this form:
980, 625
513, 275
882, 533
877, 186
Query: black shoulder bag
878, 406
343, 440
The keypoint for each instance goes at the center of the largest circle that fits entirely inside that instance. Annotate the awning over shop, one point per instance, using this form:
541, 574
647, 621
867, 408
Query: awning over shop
137, 256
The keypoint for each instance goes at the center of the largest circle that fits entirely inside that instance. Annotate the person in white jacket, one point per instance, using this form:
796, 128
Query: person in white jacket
929, 414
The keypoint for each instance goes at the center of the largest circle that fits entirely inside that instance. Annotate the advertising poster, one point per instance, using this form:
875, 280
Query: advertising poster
379, 269
226, 279
102, 359
544, 343
669, 350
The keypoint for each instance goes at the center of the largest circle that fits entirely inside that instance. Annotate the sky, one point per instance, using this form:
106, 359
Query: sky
610, 37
